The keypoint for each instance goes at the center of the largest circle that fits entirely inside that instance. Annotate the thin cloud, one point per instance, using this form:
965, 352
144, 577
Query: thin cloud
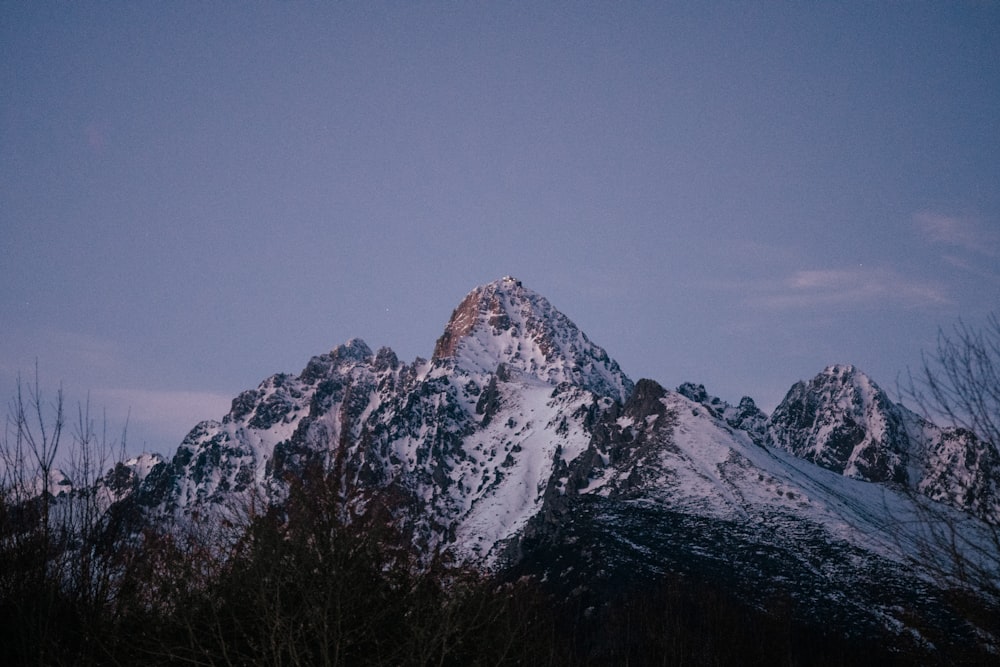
156, 417
963, 264
958, 232
854, 286
167, 412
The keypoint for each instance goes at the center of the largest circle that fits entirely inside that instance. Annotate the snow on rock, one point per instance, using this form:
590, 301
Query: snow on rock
843, 421
521, 435
504, 322
466, 441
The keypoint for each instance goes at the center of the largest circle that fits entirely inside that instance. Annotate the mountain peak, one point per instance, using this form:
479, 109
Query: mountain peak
505, 322
481, 303
846, 373
845, 422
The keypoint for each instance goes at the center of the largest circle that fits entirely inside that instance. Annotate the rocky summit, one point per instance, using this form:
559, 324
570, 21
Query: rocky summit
521, 447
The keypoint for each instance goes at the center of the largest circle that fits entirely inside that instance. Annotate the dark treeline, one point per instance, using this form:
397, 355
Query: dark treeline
312, 585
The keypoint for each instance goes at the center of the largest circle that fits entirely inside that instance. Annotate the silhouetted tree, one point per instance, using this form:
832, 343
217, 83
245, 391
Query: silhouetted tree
959, 384
58, 554
960, 381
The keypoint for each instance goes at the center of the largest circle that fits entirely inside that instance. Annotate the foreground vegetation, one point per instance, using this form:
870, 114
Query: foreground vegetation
312, 586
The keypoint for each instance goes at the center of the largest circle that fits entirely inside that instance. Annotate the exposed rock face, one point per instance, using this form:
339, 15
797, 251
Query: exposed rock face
957, 469
843, 421
463, 320
503, 322
746, 416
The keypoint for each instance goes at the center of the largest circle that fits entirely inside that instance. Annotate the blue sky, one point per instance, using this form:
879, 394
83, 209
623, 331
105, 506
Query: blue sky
194, 196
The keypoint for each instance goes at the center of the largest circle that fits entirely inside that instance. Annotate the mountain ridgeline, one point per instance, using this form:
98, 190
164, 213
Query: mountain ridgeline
521, 447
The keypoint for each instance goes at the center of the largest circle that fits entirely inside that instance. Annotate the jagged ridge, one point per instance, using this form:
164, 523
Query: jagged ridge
519, 425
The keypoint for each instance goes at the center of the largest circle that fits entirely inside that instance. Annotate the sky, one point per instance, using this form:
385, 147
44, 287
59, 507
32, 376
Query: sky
194, 196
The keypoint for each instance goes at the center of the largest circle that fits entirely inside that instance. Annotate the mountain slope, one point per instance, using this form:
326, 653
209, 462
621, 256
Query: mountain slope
843, 421
521, 446
668, 486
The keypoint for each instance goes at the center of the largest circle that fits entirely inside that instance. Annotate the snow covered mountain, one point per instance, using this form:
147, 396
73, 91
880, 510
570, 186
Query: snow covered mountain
463, 443
843, 421
522, 446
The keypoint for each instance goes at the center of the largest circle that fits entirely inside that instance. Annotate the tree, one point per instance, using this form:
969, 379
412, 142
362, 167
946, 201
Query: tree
30, 445
29, 596
959, 384
59, 558
960, 381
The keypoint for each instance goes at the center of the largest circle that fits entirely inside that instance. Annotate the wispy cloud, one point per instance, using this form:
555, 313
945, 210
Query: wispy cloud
95, 369
166, 414
959, 232
857, 286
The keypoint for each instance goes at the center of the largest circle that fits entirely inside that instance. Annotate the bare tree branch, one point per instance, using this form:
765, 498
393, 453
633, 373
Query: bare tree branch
958, 385
960, 381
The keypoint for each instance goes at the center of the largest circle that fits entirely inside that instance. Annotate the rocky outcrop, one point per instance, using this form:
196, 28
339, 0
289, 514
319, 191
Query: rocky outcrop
504, 322
843, 421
